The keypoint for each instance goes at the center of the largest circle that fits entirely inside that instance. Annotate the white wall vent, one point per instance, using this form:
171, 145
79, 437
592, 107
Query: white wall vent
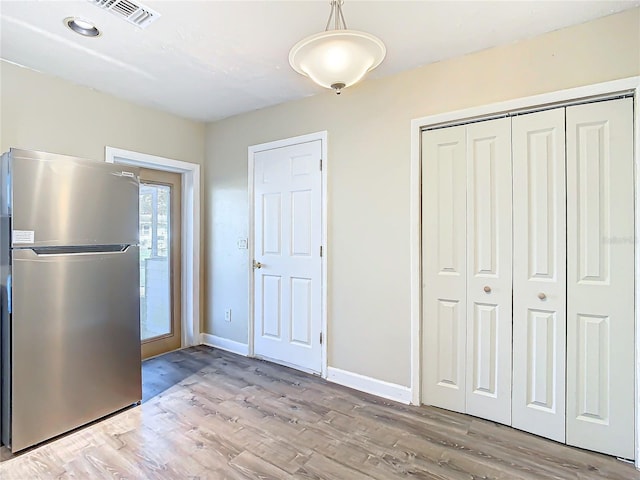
132, 12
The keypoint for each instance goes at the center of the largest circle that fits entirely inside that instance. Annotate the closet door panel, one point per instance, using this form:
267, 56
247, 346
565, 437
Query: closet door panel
539, 273
600, 271
444, 268
488, 373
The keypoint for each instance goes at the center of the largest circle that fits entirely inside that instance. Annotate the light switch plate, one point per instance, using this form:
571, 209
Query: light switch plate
242, 243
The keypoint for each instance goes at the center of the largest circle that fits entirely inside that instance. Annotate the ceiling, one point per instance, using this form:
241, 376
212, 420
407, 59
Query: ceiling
208, 60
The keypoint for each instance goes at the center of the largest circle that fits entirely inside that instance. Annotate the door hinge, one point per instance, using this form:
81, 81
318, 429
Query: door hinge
321, 250
320, 338
320, 164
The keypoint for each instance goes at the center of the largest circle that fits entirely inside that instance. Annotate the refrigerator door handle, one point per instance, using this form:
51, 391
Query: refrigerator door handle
80, 250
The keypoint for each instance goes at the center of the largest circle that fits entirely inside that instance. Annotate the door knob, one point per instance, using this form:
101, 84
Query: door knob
542, 296
487, 289
256, 265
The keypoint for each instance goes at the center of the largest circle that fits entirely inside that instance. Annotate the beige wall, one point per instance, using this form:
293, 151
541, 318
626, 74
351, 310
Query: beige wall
41, 112
37, 113
368, 178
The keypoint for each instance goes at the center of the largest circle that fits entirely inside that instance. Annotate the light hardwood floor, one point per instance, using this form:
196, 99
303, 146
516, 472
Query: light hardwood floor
208, 414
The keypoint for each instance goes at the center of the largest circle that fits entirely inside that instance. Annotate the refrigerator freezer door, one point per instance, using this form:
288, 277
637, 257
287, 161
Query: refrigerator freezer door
60, 200
76, 340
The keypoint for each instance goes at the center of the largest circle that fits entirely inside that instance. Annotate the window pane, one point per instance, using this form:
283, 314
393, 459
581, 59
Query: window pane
155, 266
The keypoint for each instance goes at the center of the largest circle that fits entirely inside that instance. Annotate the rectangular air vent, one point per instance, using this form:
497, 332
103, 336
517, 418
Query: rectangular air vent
132, 12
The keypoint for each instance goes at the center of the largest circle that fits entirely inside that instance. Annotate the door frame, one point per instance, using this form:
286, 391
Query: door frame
486, 112
190, 256
253, 149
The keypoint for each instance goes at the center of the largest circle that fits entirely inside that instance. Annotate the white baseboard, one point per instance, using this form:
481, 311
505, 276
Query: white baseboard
380, 388
224, 344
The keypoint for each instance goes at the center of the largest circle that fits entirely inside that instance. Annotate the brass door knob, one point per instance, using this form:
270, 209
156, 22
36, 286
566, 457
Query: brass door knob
256, 265
487, 289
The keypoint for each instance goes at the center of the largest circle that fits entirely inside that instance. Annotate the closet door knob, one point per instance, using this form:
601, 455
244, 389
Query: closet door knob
487, 289
542, 296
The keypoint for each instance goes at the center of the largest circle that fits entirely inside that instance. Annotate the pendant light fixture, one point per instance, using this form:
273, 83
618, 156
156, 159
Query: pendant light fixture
337, 58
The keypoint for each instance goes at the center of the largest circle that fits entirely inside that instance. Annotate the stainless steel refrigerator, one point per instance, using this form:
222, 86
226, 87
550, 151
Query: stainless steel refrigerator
70, 294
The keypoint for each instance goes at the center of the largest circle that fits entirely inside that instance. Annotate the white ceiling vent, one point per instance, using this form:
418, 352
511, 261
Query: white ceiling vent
132, 12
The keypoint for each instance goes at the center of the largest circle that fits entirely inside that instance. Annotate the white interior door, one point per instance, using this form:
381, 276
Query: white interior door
539, 273
489, 287
600, 274
444, 267
288, 233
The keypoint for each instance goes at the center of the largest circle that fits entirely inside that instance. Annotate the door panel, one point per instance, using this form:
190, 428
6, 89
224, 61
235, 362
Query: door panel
444, 268
484, 348
489, 294
600, 277
272, 224
593, 395
301, 223
288, 232
301, 304
539, 273
67, 211
92, 315
272, 307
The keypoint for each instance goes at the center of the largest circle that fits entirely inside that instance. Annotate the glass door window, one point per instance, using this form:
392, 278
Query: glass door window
155, 265
159, 230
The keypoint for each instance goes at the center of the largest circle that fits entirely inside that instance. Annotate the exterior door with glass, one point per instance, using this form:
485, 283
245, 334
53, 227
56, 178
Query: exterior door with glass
160, 327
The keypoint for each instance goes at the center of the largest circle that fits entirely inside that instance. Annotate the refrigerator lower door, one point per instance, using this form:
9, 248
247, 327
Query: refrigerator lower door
75, 341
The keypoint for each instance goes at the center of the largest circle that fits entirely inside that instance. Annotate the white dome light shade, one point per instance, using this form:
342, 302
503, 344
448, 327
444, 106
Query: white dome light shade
337, 58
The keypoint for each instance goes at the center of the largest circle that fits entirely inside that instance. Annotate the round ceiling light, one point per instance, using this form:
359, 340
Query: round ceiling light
82, 27
337, 58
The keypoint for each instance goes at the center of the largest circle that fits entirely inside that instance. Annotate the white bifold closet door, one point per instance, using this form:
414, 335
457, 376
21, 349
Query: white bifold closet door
600, 277
539, 273
489, 256
444, 268
467, 269
565, 259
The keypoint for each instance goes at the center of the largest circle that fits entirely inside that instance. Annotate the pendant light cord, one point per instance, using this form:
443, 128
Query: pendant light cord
337, 16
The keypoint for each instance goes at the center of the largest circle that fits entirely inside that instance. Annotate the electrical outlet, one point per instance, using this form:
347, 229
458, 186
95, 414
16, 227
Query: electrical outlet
227, 315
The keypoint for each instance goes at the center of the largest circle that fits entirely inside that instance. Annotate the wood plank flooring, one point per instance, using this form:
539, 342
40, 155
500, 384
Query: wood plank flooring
208, 414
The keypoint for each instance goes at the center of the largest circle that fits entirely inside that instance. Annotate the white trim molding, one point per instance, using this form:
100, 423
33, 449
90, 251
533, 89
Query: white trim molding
224, 344
631, 84
253, 149
190, 260
636, 164
379, 388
